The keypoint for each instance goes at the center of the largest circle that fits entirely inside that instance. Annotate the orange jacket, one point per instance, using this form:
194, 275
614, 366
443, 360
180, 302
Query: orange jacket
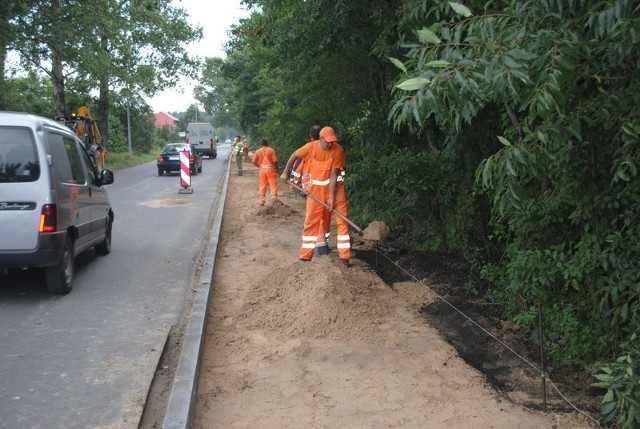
265, 157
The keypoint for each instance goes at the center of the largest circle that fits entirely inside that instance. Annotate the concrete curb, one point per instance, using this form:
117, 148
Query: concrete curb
185, 382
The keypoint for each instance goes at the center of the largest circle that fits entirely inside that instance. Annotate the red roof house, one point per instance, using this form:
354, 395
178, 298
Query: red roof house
164, 119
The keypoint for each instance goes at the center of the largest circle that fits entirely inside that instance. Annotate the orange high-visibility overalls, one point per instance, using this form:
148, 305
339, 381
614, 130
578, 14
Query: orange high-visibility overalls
266, 159
343, 240
318, 166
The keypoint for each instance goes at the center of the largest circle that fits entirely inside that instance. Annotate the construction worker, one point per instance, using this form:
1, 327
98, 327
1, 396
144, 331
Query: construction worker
237, 151
245, 149
266, 160
343, 240
298, 178
323, 161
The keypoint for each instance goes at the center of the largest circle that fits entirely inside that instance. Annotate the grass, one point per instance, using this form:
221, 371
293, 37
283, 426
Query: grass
116, 161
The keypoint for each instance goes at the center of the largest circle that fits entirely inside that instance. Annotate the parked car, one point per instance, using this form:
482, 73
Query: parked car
53, 205
169, 158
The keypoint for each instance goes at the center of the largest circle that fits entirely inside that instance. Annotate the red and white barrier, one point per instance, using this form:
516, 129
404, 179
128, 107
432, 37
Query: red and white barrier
185, 173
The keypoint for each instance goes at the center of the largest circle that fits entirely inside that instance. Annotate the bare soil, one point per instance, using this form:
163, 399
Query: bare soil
293, 344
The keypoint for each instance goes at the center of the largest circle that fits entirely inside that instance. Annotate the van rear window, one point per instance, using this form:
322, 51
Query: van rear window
18, 156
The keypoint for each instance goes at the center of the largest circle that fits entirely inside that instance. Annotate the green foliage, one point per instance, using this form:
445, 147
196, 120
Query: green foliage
117, 141
167, 135
29, 94
621, 403
118, 160
561, 79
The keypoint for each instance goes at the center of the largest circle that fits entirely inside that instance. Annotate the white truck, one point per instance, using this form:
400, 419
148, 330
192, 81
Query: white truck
200, 134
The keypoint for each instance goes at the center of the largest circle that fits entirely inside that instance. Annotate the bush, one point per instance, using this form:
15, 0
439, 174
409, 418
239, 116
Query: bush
621, 403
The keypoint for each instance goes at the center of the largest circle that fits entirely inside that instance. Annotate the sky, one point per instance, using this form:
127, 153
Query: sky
215, 18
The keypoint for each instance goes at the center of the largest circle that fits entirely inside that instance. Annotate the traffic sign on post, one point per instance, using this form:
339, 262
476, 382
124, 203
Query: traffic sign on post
185, 173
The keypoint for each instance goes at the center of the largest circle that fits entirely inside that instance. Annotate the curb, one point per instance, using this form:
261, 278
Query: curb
185, 382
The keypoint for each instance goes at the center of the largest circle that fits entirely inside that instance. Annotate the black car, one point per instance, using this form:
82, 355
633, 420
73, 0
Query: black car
169, 158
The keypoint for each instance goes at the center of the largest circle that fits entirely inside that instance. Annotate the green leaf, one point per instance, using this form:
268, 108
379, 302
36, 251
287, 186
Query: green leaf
396, 62
504, 141
486, 172
520, 54
633, 401
608, 407
427, 36
413, 84
608, 397
542, 137
437, 63
460, 9
519, 155
510, 171
603, 377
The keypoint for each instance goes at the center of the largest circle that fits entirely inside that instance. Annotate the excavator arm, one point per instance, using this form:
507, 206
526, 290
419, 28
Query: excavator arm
86, 128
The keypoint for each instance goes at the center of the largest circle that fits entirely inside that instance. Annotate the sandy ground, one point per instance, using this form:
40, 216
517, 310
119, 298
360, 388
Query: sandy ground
319, 345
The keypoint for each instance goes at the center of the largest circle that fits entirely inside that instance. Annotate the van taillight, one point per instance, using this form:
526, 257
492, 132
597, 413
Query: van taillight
48, 218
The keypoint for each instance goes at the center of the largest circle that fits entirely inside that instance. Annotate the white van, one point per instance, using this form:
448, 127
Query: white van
53, 205
200, 134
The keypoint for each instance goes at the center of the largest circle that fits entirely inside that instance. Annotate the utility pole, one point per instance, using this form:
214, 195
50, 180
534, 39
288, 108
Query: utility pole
129, 118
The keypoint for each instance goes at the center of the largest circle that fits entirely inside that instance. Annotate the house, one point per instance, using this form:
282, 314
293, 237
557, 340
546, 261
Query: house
164, 119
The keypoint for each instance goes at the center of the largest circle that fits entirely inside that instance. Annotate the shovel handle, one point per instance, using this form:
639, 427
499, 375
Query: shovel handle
319, 201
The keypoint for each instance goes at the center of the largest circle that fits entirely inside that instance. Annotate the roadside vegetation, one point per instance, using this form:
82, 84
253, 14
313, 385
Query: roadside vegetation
506, 131
117, 161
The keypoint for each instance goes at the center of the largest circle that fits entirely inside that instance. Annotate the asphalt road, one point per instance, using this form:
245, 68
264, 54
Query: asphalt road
86, 360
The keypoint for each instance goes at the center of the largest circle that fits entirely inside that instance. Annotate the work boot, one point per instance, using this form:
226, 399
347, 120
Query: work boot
345, 262
322, 250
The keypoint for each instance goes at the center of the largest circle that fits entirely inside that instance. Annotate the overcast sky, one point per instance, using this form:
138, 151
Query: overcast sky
215, 18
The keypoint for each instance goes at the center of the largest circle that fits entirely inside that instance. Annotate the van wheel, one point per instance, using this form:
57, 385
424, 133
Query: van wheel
160, 171
194, 170
59, 278
104, 248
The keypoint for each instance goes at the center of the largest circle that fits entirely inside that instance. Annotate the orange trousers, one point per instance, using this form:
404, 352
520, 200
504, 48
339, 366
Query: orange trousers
343, 240
313, 230
267, 176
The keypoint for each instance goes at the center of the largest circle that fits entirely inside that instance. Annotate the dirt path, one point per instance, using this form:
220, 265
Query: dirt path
319, 345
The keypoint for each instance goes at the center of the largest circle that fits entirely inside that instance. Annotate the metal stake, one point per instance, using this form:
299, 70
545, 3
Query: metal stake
544, 379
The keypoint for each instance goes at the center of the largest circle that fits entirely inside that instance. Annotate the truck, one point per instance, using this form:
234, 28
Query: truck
201, 135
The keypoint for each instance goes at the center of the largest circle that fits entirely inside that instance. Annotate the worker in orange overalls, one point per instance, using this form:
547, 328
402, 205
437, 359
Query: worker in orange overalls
343, 240
266, 160
299, 177
323, 160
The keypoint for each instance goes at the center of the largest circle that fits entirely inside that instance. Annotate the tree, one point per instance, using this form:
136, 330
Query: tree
135, 46
561, 79
9, 10
214, 92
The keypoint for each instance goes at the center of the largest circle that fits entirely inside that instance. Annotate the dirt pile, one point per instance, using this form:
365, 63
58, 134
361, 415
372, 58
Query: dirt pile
317, 300
376, 231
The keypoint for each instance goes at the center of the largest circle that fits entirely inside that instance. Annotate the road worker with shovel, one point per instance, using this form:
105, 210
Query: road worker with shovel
324, 159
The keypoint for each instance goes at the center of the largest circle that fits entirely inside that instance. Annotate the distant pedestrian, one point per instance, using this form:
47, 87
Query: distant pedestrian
266, 160
245, 149
238, 151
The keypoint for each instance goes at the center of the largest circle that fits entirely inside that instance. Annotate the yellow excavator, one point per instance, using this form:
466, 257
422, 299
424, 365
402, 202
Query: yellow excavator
86, 128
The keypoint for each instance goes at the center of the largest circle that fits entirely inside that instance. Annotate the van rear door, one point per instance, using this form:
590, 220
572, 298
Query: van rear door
20, 164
